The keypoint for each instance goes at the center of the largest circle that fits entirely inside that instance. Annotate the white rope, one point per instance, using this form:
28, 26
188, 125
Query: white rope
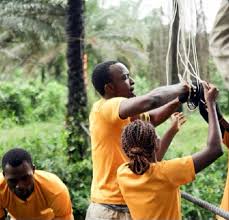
174, 6
186, 33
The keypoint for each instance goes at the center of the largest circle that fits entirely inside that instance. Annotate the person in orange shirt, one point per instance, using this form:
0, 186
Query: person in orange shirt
151, 188
224, 127
29, 194
117, 108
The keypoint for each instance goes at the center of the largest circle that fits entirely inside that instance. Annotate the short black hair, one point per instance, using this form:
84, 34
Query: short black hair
15, 157
101, 76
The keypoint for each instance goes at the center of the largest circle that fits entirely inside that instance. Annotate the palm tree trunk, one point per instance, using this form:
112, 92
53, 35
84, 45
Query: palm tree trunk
174, 43
77, 98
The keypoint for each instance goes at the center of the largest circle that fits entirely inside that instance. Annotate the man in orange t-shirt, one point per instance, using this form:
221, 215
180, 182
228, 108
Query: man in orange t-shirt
29, 194
117, 107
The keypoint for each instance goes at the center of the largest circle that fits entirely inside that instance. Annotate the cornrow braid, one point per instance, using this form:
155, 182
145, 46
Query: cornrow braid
138, 142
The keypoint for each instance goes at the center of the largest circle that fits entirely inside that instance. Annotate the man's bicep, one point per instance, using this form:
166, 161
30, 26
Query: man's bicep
134, 106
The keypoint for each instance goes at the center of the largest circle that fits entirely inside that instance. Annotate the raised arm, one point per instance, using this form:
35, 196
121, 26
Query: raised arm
161, 114
224, 125
154, 99
178, 120
213, 150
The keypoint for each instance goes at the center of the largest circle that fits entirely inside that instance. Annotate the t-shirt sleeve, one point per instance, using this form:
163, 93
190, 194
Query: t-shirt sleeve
179, 171
110, 109
61, 205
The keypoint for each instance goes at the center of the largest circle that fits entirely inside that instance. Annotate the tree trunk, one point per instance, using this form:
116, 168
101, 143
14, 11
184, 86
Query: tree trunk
174, 43
77, 98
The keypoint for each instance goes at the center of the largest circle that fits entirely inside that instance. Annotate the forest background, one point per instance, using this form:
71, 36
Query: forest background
38, 81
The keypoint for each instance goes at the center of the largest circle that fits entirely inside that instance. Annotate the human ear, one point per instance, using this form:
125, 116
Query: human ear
109, 88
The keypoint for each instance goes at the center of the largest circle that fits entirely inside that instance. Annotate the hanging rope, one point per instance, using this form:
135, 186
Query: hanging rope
206, 205
187, 62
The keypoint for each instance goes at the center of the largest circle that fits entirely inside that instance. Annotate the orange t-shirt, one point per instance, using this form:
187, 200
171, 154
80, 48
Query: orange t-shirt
225, 201
49, 199
155, 194
105, 129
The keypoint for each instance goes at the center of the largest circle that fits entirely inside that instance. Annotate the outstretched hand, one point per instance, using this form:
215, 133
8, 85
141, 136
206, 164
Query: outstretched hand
210, 92
224, 125
178, 119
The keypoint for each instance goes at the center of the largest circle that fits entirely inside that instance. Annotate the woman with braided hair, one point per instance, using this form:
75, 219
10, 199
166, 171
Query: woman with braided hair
156, 184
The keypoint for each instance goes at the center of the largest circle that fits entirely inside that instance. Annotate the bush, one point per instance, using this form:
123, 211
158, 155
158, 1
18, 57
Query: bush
24, 102
216, 78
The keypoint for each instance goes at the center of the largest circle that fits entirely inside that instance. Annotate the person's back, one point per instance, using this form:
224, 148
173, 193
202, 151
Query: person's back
155, 194
151, 188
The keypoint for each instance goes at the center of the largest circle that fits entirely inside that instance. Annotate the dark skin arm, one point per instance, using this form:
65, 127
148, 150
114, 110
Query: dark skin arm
213, 150
154, 99
161, 114
178, 120
224, 125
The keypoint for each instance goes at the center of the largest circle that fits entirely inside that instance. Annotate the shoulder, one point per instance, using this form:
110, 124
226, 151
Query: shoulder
108, 102
49, 182
107, 109
183, 161
179, 171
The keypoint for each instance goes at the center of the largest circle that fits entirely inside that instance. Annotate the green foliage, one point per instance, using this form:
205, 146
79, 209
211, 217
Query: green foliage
24, 102
50, 101
142, 85
216, 78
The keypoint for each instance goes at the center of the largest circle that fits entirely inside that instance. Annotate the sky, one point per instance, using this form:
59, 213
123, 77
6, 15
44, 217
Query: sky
210, 8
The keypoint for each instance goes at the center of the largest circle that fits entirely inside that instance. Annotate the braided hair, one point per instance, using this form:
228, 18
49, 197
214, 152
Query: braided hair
138, 143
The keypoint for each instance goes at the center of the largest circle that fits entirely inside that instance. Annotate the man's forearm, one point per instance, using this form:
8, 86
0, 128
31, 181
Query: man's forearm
154, 99
166, 94
161, 114
214, 134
